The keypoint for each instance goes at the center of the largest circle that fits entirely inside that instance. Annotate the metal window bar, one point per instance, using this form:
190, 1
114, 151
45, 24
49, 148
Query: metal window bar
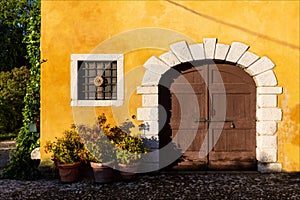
88, 71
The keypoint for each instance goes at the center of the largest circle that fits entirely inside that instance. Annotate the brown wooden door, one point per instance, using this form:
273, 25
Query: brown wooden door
213, 107
188, 103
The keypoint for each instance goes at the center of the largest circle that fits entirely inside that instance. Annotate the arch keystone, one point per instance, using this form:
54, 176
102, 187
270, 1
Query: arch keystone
209, 47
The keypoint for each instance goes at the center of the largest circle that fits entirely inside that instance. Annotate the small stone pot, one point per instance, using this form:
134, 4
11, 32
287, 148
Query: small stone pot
128, 172
69, 172
102, 173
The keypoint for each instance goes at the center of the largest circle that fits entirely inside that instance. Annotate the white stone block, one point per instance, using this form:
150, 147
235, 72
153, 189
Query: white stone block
247, 59
209, 47
266, 101
266, 142
150, 100
267, 78
269, 167
170, 59
237, 49
147, 90
152, 128
266, 127
155, 65
221, 51
181, 51
269, 114
269, 90
197, 51
266, 155
260, 66
151, 78
147, 114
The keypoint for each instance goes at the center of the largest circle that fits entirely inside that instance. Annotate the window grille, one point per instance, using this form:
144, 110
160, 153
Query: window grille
97, 80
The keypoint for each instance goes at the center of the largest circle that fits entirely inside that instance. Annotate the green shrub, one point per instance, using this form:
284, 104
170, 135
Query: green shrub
12, 93
7, 120
21, 166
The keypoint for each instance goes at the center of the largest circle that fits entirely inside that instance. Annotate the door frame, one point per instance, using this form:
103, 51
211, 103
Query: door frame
260, 69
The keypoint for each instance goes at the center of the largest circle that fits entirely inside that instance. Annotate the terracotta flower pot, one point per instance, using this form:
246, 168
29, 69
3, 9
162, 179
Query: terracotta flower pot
102, 172
69, 172
128, 172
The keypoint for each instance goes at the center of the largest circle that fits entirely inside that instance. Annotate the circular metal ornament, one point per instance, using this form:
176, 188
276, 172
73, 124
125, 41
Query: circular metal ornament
98, 81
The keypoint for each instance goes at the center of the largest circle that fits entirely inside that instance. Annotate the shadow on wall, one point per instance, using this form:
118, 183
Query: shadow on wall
267, 37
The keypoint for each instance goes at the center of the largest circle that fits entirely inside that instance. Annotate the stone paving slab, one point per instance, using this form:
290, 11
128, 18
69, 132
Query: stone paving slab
163, 186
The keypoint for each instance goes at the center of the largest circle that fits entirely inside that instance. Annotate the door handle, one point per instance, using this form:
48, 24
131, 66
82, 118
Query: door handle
226, 120
232, 125
203, 120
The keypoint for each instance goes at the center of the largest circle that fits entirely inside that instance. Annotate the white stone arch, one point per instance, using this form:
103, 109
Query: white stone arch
259, 68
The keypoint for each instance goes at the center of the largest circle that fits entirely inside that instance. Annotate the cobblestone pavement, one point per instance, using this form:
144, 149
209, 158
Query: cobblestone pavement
163, 186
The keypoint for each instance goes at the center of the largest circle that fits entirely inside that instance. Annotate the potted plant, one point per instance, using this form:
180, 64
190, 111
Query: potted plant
101, 149
129, 152
67, 154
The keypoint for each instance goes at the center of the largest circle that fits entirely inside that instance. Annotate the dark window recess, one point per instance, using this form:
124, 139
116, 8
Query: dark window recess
105, 73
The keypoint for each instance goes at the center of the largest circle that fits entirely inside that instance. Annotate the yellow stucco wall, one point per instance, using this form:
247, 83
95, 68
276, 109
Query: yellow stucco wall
269, 28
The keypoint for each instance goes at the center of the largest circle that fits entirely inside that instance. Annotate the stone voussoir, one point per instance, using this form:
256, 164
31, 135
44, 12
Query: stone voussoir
155, 65
221, 51
247, 59
170, 59
260, 66
197, 51
267, 78
150, 78
237, 49
181, 51
209, 47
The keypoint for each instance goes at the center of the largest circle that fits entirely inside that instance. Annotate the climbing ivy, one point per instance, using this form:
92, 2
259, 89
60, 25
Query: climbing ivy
21, 166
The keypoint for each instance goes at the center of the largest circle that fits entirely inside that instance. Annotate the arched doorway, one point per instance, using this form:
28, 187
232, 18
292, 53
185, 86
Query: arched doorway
267, 111
197, 120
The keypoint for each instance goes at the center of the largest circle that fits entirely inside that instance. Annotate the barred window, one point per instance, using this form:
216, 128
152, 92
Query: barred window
97, 79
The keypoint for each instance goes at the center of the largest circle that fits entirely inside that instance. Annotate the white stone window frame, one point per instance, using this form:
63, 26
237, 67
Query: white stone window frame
97, 57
